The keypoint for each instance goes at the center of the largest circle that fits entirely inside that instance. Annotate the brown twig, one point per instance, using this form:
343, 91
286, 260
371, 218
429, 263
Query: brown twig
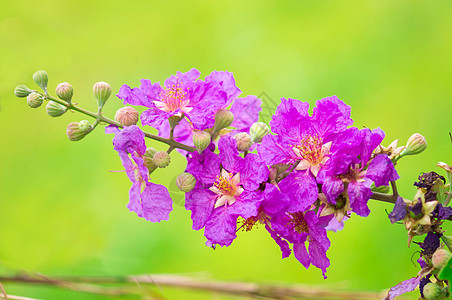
135, 284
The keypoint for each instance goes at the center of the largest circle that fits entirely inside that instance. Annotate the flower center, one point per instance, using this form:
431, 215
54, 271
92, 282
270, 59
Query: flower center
298, 223
227, 187
312, 153
173, 98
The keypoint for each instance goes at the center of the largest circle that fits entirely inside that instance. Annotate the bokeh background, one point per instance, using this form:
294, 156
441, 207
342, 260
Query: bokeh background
64, 213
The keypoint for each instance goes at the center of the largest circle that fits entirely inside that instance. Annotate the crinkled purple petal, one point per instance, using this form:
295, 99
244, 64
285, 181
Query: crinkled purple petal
332, 187
317, 252
359, 194
283, 245
416, 209
135, 199
399, 211
227, 82
134, 96
201, 203
403, 287
253, 172
302, 189
442, 212
247, 204
290, 112
155, 117
274, 202
156, 202
335, 225
229, 155
111, 129
183, 80
274, 150
151, 90
246, 112
421, 262
130, 139
381, 170
301, 254
330, 116
220, 228
204, 167
370, 141
431, 243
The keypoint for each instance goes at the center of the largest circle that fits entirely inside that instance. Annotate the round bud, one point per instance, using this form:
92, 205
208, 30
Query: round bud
150, 152
415, 145
201, 140
22, 91
161, 159
223, 118
41, 78
74, 133
64, 91
55, 109
127, 116
433, 292
258, 130
102, 92
84, 126
440, 258
148, 159
185, 182
34, 100
243, 141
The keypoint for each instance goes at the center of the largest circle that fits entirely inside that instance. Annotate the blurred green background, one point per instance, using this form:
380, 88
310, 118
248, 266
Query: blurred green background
63, 213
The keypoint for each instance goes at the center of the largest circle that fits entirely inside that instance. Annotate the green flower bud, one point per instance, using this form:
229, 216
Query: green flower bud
185, 182
161, 159
127, 116
34, 100
74, 133
85, 126
243, 141
434, 292
55, 109
148, 159
201, 140
41, 78
102, 92
440, 258
415, 145
258, 130
64, 91
223, 118
22, 91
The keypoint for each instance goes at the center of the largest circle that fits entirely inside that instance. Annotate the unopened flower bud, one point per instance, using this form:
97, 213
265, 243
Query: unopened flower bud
22, 91
243, 141
161, 159
64, 91
84, 126
34, 100
223, 118
415, 145
433, 292
440, 258
55, 109
74, 133
41, 78
102, 92
258, 130
148, 159
185, 182
127, 116
201, 140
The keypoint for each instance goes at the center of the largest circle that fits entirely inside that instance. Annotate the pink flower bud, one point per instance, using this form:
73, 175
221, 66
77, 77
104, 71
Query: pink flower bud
127, 116
161, 159
243, 141
185, 182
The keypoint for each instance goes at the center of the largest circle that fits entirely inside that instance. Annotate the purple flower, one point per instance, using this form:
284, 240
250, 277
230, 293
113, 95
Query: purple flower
305, 142
298, 229
403, 287
351, 161
182, 94
227, 187
148, 200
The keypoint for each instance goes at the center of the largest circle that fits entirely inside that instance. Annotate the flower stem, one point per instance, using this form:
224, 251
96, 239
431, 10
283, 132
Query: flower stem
385, 197
100, 118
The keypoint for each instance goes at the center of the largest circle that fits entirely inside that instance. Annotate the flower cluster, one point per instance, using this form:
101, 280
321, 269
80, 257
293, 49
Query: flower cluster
304, 180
